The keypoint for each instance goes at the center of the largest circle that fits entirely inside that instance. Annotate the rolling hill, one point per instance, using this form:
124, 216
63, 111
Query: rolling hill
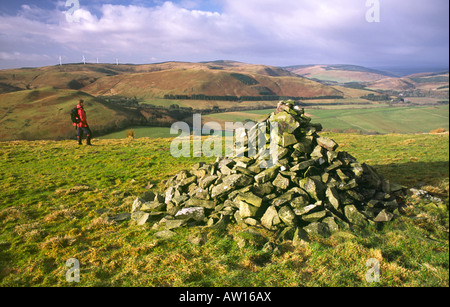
207, 82
423, 81
339, 73
36, 101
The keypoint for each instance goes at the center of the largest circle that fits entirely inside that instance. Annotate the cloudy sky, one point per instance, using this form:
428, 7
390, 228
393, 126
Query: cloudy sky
372, 33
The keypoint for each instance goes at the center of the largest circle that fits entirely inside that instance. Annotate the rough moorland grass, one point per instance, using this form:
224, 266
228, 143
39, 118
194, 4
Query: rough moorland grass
54, 197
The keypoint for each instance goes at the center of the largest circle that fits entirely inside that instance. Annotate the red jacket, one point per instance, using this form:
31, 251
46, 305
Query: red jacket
82, 115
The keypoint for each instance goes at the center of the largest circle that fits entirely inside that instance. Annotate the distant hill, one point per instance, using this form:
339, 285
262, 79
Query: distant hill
434, 81
211, 82
35, 102
339, 73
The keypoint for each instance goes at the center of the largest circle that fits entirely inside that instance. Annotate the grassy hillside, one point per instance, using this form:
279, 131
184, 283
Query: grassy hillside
55, 199
208, 82
69, 76
45, 114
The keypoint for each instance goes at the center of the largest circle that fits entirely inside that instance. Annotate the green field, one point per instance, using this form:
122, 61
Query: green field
385, 120
378, 119
55, 199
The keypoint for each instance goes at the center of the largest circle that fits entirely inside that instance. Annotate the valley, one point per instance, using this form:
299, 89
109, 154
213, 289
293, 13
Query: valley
35, 101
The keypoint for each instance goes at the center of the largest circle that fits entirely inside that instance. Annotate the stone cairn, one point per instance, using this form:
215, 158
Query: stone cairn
312, 189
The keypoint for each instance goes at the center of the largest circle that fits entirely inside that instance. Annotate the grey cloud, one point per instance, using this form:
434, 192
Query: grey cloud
259, 31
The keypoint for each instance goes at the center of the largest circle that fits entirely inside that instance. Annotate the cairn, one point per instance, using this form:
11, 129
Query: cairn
313, 188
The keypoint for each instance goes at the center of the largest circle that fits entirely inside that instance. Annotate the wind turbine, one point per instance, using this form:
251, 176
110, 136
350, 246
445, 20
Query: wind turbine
60, 61
84, 60
117, 61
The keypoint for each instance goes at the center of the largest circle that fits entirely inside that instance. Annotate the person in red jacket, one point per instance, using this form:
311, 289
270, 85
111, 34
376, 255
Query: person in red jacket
82, 126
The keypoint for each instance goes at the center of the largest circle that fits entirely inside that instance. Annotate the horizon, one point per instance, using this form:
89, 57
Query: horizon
396, 71
400, 34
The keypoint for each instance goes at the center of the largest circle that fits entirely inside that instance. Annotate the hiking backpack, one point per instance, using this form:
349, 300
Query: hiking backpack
75, 116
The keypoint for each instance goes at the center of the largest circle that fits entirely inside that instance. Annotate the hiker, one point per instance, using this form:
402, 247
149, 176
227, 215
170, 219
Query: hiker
82, 126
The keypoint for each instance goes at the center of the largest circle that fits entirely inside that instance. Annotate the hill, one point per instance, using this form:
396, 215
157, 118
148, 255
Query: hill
437, 81
77, 76
33, 99
43, 113
36, 101
207, 82
339, 73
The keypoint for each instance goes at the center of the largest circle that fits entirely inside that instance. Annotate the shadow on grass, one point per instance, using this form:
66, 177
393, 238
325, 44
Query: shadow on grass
415, 174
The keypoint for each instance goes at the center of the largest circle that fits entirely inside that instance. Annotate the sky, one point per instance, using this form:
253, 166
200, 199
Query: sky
372, 33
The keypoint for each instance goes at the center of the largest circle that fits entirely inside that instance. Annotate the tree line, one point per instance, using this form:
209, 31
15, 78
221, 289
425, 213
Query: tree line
245, 98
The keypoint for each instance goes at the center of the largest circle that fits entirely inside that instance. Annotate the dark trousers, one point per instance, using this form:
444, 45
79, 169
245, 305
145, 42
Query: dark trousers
84, 131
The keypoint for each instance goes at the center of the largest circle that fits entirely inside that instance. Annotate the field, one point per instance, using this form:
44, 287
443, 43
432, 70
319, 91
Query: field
367, 120
378, 119
55, 199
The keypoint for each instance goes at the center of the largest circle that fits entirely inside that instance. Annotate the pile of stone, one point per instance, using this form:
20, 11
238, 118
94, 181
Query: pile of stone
313, 188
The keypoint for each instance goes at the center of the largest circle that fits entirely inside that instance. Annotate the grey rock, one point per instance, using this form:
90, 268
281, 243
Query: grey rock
314, 217
318, 229
300, 237
305, 210
332, 225
137, 204
121, 217
263, 189
140, 217
300, 202
354, 216
152, 207
174, 224
281, 182
196, 213
267, 175
333, 197
288, 139
250, 198
286, 122
247, 210
384, 216
287, 215
206, 181
327, 143
195, 202
270, 218
315, 188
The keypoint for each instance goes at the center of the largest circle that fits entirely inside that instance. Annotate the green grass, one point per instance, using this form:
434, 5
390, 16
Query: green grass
141, 132
385, 120
374, 118
46, 220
